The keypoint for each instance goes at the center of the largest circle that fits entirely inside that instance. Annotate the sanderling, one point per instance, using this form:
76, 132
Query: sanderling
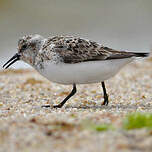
71, 60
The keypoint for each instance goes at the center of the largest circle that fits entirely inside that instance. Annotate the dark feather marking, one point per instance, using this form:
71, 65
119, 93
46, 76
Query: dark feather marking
75, 50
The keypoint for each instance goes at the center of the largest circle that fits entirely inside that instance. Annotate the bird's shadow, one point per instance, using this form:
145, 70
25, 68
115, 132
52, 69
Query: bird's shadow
109, 107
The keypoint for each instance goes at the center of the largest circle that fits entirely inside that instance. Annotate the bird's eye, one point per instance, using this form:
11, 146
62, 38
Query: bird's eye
24, 47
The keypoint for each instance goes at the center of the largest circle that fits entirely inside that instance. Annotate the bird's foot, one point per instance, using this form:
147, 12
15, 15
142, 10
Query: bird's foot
45, 106
57, 106
106, 100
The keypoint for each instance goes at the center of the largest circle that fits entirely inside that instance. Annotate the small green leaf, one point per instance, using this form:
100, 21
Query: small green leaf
138, 120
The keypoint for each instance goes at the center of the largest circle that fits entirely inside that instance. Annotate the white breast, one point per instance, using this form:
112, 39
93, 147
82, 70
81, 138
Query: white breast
83, 73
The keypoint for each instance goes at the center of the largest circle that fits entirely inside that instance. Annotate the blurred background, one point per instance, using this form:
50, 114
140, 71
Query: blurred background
120, 24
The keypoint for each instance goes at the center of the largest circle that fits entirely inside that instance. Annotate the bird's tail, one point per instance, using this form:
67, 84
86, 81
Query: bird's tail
141, 54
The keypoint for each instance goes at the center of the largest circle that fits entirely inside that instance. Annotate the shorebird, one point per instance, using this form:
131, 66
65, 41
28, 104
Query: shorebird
71, 60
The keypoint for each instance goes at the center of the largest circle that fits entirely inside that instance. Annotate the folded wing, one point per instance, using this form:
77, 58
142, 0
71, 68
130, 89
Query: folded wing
75, 50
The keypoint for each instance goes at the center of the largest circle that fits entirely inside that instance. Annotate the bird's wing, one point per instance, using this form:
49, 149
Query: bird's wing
75, 50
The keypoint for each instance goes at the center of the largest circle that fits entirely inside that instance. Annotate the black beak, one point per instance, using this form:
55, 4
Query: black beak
15, 58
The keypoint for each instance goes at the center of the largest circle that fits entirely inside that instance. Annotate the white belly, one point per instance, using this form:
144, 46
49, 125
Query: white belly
83, 73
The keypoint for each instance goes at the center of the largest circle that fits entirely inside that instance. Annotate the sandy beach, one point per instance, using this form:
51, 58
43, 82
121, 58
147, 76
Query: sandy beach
27, 127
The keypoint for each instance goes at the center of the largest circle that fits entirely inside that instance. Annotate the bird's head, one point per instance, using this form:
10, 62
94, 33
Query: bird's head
28, 48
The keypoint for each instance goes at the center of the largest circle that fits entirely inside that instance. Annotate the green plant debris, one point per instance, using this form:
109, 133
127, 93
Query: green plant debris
137, 121
97, 127
102, 127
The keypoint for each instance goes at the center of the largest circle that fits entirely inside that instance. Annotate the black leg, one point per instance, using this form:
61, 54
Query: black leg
74, 90
106, 101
